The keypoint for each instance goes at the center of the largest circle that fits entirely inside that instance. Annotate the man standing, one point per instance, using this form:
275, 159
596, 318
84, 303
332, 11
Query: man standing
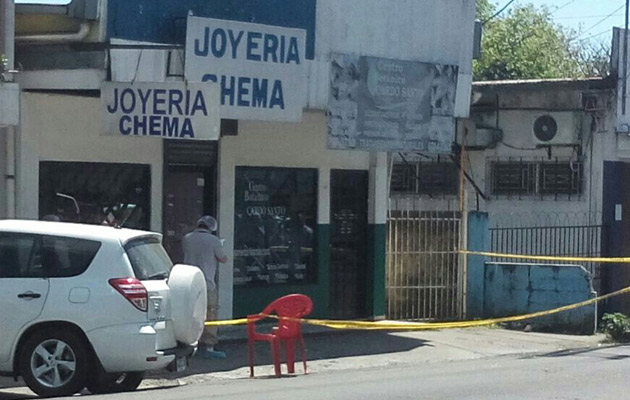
205, 250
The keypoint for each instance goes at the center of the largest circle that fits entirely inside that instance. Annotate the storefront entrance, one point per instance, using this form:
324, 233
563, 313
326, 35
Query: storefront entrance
189, 190
348, 243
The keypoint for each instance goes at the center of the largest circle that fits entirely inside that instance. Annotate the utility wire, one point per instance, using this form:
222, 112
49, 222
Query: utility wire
603, 19
562, 6
498, 12
589, 16
595, 35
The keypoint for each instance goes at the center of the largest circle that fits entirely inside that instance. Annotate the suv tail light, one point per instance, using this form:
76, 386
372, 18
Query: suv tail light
132, 290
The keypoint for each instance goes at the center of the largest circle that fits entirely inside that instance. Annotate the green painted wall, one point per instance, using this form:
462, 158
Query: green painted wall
251, 300
376, 270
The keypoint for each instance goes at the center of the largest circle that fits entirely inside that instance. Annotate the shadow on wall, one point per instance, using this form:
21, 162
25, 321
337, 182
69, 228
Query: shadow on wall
515, 289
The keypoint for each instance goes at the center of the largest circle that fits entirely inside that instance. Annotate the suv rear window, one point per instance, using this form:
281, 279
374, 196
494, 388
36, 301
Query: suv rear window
148, 258
65, 257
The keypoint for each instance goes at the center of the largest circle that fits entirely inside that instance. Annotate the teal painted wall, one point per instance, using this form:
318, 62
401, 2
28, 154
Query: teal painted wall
518, 288
478, 240
251, 300
376, 270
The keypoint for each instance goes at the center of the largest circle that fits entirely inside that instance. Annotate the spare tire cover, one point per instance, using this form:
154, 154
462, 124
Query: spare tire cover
188, 302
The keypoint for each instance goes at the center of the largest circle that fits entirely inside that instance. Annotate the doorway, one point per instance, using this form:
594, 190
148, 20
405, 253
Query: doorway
348, 243
189, 190
616, 234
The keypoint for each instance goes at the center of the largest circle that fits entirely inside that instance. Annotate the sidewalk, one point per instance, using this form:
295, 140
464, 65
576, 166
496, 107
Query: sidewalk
331, 350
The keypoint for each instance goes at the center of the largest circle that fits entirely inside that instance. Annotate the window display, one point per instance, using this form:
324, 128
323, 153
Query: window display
275, 220
95, 193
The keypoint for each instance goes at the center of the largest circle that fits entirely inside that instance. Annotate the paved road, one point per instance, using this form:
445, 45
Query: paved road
585, 374
466, 364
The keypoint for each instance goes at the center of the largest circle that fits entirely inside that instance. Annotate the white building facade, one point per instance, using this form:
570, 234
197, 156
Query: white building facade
296, 216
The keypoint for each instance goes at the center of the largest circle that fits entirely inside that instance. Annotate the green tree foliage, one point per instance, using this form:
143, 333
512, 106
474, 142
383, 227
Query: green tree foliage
524, 43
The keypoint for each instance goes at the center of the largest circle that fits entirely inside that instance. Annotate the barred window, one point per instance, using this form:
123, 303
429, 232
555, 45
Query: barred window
561, 178
510, 178
531, 178
430, 178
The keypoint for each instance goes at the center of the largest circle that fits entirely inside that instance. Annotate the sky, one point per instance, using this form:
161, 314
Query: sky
592, 19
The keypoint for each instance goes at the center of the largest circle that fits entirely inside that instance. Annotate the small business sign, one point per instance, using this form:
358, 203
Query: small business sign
9, 104
170, 110
619, 68
378, 104
260, 68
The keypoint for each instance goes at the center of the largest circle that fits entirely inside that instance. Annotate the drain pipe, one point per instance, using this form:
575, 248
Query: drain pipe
7, 34
10, 172
78, 36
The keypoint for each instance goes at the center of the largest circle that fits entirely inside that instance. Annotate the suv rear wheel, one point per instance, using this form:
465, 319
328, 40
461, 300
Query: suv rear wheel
54, 362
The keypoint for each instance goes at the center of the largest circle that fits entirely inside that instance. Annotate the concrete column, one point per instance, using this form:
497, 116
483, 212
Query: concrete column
377, 219
478, 240
225, 208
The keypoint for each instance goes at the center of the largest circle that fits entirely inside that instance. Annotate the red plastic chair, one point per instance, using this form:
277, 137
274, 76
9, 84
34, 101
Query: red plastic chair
287, 331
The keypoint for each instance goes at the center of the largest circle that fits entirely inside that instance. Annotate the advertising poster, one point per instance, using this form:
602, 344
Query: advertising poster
378, 104
274, 226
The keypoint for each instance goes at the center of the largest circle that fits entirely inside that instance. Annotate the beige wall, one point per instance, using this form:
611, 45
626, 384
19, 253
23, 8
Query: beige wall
67, 128
277, 145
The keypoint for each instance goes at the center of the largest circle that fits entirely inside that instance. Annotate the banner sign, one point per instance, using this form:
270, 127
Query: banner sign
260, 68
170, 110
379, 104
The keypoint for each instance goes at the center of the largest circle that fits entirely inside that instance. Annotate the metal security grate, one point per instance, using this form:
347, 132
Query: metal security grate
427, 178
548, 235
561, 178
513, 178
423, 278
521, 178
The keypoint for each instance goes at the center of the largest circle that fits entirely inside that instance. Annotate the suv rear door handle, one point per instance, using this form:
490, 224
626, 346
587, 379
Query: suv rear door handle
29, 295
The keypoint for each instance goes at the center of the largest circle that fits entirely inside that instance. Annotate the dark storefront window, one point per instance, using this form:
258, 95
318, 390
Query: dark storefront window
96, 193
274, 226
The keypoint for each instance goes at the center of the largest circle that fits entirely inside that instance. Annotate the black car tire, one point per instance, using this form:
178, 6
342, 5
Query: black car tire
54, 362
116, 383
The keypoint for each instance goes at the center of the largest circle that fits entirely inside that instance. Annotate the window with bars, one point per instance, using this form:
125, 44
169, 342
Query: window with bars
536, 178
429, 178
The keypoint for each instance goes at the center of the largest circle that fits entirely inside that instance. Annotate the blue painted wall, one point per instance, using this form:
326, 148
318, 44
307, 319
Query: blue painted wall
164, 21
516, 289
478, 240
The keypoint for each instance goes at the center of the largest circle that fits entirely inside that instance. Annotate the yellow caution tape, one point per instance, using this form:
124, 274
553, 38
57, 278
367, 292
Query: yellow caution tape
414, 326
240, 321
549, 258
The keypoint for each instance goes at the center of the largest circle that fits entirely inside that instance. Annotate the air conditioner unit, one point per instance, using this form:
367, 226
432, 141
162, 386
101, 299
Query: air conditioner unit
555, 129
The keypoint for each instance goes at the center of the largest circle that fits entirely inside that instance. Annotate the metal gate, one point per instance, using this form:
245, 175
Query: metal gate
422, 270
575, 235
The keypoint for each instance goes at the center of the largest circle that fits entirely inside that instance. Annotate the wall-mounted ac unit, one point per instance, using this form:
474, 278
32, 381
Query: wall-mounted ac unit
555, 129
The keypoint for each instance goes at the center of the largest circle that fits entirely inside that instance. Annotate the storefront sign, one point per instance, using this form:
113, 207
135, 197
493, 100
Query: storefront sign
172, 110
260, 68
380, 104
274, 225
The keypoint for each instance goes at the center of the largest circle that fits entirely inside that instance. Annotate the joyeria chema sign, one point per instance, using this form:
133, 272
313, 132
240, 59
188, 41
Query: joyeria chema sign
260, 69
171, 110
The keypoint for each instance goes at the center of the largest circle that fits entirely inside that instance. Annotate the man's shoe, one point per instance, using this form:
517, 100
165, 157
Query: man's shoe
210, 354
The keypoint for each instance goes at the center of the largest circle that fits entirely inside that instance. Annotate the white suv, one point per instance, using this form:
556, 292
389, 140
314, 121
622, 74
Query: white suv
93, 306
